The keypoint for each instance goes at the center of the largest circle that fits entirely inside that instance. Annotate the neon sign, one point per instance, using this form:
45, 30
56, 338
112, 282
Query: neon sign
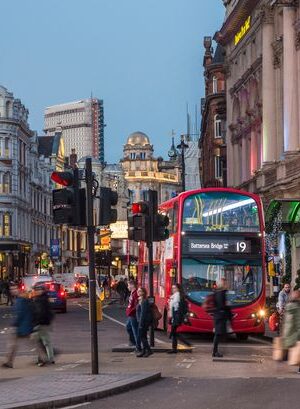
243, 31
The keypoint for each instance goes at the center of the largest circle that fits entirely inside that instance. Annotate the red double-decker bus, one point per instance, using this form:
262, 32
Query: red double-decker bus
214, 233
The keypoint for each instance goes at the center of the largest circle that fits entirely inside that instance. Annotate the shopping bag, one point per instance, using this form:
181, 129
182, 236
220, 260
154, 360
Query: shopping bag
278, 351
294, 355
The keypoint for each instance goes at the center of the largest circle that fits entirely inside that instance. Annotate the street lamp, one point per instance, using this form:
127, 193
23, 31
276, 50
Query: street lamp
182, 146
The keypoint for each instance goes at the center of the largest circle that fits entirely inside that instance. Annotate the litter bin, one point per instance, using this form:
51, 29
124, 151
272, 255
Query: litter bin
99, 310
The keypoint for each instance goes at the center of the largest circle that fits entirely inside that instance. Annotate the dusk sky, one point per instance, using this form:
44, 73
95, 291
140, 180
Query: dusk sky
142, 57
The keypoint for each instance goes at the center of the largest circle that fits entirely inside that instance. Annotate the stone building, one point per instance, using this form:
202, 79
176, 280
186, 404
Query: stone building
25, 191
261, 39
143, 171
212, 142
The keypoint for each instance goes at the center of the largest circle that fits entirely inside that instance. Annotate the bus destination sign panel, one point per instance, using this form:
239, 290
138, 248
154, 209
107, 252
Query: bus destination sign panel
219, 246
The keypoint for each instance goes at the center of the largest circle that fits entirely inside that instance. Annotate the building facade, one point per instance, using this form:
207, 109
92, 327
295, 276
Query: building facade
212, 142
25, 192
262, 43
81, 124
143, 171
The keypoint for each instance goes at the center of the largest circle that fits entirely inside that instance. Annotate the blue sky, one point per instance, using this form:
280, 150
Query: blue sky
142, 57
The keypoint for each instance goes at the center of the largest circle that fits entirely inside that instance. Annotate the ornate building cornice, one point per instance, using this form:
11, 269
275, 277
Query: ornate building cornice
246, 76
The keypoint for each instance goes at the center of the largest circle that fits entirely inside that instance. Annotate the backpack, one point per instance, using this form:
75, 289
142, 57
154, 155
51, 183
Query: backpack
274, 321
156, 315
209, 304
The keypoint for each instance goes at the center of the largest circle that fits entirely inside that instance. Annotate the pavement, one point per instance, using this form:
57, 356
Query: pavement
57, 390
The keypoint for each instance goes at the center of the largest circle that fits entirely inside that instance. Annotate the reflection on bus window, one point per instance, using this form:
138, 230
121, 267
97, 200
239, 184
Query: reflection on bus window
220, 211
199, 279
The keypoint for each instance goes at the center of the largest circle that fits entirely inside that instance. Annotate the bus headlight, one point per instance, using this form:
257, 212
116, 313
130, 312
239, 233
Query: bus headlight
192, 315
253, 315
261, 313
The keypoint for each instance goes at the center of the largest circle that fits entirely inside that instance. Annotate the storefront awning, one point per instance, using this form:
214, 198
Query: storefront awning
285, 210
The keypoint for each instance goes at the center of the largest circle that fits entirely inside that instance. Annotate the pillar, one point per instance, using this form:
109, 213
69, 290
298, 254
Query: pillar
268, 90
253, 152
290, 104
244, 170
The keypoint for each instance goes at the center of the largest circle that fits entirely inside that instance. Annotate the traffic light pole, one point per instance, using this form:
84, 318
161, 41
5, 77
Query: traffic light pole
92, 276
152, 201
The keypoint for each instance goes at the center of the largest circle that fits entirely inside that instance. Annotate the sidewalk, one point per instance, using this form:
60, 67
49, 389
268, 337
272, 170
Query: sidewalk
56, 390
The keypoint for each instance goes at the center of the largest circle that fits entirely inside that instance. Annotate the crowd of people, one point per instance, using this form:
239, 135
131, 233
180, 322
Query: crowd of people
32, 319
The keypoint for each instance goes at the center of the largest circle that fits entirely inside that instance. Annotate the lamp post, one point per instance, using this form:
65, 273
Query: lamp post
182, 146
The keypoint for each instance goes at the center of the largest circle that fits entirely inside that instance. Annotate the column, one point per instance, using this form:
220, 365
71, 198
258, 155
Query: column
290, 105
268, 90
253, 152
236, 165
244, 159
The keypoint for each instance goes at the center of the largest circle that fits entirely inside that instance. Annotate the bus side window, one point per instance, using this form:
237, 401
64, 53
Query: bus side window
170, 216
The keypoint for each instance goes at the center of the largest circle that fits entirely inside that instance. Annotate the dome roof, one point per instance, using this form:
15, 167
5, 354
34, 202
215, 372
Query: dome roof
138, 138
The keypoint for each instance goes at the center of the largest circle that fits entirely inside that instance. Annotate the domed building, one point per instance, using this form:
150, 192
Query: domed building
143, 171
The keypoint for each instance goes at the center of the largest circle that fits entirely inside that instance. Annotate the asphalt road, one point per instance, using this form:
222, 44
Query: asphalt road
172, 393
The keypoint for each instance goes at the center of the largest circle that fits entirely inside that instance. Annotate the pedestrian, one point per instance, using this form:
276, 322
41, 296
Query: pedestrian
144, 318
122, 290
222, 315
177, 312
132, 323
43, 317
291, 323
22, 325
283, 298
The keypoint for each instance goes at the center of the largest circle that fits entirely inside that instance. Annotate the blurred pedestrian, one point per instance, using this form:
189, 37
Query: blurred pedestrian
122, 290
222, 315
132, 323
177, 312
22, 325
43, 317
291, 323
283, 298
144, 318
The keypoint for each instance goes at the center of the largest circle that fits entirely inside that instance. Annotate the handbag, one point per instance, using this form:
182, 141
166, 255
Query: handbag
278, 351
294, 354
156, 315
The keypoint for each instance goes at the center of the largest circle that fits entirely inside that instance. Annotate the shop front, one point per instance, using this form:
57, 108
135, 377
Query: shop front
283, 242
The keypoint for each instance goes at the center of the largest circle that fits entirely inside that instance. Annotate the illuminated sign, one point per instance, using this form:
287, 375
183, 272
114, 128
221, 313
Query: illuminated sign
219, 246
243, 31
119, 230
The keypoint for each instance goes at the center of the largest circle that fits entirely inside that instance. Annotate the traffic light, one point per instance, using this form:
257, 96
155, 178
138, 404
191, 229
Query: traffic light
138, 222
108, 199
68, 203
160, 231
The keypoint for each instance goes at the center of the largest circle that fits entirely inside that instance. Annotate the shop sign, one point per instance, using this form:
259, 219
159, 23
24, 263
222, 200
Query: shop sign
119, 230
54, 248
243, 31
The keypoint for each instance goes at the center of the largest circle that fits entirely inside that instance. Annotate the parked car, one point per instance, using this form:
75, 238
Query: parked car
28, 282
57, 295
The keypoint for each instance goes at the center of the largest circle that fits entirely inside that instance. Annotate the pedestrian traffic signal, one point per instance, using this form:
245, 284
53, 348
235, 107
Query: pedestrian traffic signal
138, 222
160, 231
68, 204
108, 199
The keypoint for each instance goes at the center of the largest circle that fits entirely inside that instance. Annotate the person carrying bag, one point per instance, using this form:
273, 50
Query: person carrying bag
291, 330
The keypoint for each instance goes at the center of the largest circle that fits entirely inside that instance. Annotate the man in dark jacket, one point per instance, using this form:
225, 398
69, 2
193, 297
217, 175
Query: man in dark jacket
43, 316
132, 323
222, 315
22, 325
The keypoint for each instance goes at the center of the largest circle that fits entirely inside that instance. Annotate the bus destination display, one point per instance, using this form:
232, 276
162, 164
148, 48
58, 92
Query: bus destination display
219, 246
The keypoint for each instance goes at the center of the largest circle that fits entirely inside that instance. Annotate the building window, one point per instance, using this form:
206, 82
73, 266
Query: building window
215, 85
6, 147
218, 126
218, 167
132, 155
6, 225
6, 186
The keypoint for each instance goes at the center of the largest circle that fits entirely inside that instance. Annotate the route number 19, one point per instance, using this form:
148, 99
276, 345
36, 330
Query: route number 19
241, 246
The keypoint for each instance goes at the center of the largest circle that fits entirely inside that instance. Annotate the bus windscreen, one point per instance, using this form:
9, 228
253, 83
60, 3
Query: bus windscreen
220, 212
244, 279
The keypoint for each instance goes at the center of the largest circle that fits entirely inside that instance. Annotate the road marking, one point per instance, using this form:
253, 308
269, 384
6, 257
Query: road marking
124, 325
77, 406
